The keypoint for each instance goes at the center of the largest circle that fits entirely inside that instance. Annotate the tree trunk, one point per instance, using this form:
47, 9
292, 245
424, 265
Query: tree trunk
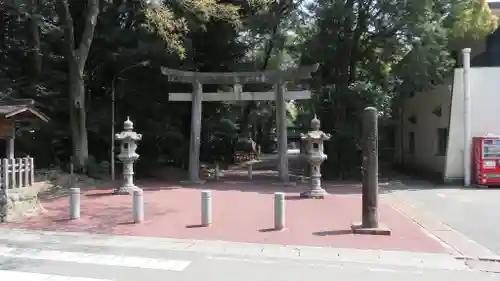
78, 113
34, 38
76, 59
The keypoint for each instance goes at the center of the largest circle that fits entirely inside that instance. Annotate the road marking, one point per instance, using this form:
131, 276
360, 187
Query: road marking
441, 195
378, 269
29, 276
322, 265
81, 239
97, 259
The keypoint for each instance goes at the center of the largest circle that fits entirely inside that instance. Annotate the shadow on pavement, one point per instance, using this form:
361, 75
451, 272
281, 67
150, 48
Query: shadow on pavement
333, 232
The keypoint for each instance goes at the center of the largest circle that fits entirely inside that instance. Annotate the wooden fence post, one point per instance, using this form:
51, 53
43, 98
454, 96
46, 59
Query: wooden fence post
32, 170
27, 168
12, 166
5, 173
19, 164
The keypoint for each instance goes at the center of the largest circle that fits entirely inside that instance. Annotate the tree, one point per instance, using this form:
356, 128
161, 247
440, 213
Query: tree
371, 53
370, 50
77, 47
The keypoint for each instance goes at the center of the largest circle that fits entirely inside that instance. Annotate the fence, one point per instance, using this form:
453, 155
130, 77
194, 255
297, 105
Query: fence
17, 172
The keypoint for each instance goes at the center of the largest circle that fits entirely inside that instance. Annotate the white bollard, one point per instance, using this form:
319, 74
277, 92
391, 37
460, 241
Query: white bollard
217, 171
74, 203
279, 210
206, 208
250, 171
138, 206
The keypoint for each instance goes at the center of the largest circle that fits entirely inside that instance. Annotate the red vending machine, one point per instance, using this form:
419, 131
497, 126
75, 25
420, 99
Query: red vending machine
486, 160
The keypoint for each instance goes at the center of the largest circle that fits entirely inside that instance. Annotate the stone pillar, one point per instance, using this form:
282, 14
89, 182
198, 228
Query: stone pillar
128, 175
370, 223
195, 141
281, 131
370, 168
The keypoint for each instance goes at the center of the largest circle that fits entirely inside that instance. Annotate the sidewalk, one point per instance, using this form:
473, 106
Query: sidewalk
64, 241
42, 255
242, 212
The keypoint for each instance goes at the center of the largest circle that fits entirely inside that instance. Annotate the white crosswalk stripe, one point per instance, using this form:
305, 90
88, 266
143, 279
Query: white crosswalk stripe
95, 259
29, 276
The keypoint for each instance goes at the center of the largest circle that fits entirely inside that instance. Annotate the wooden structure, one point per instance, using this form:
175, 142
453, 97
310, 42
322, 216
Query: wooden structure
16, 173
237, 79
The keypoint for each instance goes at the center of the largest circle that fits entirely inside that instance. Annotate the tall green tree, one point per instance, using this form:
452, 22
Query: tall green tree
369, 50
78, 37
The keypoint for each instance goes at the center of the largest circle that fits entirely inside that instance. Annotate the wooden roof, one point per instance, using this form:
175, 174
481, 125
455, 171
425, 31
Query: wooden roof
20, 109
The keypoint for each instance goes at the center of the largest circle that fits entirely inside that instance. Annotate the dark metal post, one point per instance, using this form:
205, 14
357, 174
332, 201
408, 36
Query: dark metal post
370, 168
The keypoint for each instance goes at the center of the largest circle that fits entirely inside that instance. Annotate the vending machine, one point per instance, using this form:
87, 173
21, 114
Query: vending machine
486, 160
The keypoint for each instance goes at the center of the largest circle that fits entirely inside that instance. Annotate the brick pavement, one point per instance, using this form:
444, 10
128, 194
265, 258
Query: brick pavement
243, 212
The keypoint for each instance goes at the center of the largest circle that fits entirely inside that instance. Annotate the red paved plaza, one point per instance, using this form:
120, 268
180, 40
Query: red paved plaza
242, 212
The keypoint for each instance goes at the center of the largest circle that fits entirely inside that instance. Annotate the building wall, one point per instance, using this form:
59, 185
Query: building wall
485, 52
424, 107
485, 106
493, 49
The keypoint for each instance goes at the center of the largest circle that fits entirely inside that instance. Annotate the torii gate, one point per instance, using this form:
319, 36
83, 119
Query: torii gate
197, 79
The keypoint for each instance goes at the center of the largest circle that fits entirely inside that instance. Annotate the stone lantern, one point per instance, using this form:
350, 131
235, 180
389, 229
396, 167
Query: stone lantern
127, 156
315, 156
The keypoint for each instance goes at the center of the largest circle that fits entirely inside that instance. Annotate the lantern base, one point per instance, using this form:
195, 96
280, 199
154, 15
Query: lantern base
124, 190
191, 182
314, 194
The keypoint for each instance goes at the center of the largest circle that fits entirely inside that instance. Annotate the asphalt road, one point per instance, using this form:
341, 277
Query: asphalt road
48, 257
471, 211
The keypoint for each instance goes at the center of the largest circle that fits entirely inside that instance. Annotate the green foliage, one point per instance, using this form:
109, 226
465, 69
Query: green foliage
472, 19
226, 129
370, 52
221, 145
171, 22
373, 53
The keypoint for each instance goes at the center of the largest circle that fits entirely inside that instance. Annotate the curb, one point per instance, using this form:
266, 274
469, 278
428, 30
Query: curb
241, 249
486, 259
490, 259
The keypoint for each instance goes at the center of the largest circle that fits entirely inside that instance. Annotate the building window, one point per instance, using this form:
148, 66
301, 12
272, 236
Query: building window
412, 119
438, 111
411, 143
442, 141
